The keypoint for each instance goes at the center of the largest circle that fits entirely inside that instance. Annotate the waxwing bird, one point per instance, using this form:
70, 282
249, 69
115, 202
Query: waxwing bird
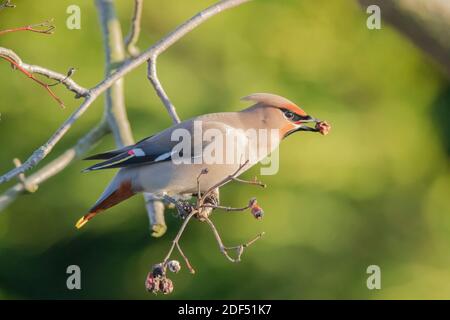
169, 162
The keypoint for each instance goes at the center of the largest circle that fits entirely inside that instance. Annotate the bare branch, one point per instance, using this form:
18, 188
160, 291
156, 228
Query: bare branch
83, 145
133, 36
175, 242
224, 249
154, 207
29, 187
255, 181
124, 69
153, 77
228, 209
45, 27
115, 110
69, 74
62, 78
39, 154
171, 39
186, 211
223, 182
186, 260
32, 77
155, 212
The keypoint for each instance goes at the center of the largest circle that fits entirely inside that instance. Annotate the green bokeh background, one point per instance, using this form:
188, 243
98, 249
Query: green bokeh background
374, 191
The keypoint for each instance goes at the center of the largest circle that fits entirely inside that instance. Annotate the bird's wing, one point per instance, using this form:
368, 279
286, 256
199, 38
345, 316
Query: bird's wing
113, 153
154, 149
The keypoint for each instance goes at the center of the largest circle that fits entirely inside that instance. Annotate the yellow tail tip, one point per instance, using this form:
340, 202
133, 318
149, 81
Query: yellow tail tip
81, 222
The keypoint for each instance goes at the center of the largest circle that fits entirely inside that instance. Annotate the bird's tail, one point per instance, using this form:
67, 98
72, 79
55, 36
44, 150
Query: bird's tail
114, 194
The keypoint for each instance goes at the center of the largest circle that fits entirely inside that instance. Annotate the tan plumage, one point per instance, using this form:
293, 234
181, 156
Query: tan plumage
147, 166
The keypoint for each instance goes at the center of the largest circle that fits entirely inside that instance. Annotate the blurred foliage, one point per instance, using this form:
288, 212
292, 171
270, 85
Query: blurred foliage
375, 191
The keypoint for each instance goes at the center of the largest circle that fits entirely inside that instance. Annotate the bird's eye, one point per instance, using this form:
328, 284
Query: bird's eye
289, 115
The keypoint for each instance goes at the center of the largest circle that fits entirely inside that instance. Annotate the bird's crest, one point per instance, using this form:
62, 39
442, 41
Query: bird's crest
276, 101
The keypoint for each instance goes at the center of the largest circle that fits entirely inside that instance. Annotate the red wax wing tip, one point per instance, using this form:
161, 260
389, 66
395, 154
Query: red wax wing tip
131, 152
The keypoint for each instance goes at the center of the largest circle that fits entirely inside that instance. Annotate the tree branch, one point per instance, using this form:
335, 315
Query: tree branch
45, 27
86, 143
175, 243
62, 78
224, 249
135, 29
124, 69
153, 77
32, 77
155, 212
157, 280
115, 110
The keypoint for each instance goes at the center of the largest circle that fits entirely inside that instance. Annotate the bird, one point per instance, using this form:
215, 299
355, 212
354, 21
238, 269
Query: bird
164, 166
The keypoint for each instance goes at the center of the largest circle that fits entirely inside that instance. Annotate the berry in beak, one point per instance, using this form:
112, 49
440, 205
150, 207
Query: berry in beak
320, 126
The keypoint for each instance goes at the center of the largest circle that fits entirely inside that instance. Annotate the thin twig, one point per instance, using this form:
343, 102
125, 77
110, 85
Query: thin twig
47, 25
186, 260
223, 182
228, 209
177, 238
157, 280
153, 77
69, 74
86, 143
254, 182
203, 172
31, 76
135, 29
173, 37
124, 69
34, 69
224, 249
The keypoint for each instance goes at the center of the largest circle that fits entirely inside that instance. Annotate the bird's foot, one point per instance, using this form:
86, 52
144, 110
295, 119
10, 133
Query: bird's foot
184, 208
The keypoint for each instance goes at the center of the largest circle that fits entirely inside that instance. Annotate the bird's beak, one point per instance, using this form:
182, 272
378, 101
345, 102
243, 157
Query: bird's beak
317, 126
303, 125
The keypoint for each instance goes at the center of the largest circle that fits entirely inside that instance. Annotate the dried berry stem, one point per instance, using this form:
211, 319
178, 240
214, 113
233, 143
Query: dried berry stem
175, 243
255, 181
228, 209
189, 211
186, 260
224, 249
